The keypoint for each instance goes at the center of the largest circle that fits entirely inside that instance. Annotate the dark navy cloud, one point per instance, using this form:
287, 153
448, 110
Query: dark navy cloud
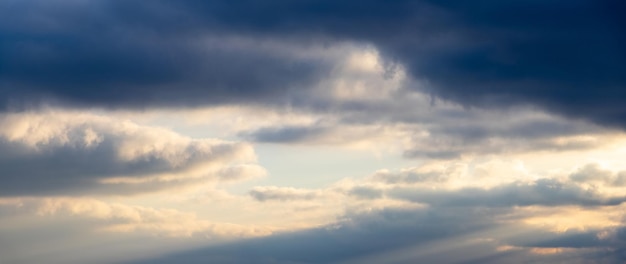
134, 55
565, 56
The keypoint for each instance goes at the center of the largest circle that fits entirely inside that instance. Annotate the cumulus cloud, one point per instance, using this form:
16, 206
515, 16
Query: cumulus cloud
69, 153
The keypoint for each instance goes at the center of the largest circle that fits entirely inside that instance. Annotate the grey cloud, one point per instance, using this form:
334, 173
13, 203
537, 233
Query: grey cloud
290, 134
543, 192
438, 131
272, 193
513, 132
413, 175
433, 154
444, 147
366, 193
592, 173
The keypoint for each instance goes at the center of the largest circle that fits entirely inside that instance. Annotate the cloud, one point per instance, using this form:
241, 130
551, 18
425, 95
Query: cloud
593, 174
408, 123
567, 59
472, 184
118, 58
407, 235
427, 173
60, 229
544, 192
435, 80
362, 235
123, 218
374, 111
271, 193
493, 183
479, 212
71, 153
366, 193
510, 219
287, 134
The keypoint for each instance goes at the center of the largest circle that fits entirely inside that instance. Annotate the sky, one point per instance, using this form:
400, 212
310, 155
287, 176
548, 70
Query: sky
242, 131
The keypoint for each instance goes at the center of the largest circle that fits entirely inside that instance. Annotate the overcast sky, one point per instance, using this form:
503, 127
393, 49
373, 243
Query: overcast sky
312, 131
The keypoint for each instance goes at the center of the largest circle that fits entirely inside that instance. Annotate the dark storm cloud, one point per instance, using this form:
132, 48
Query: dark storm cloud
566, 56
